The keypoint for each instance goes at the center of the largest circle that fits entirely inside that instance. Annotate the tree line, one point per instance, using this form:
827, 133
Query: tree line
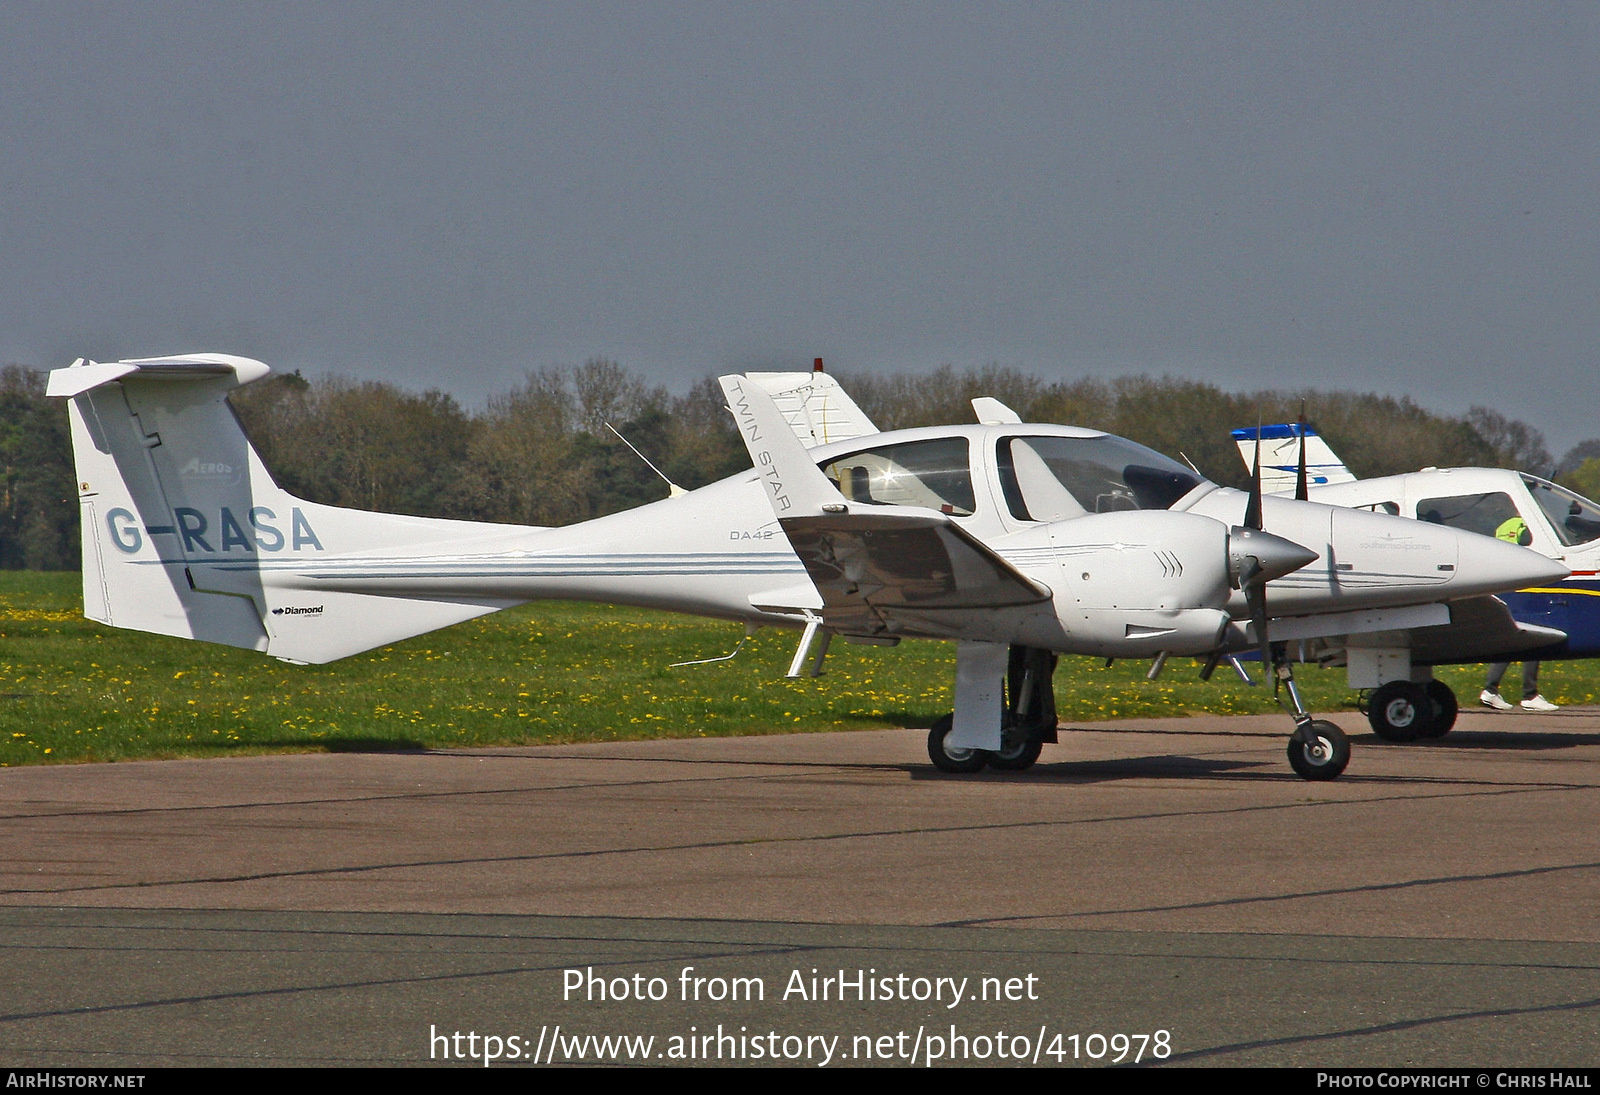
543, 453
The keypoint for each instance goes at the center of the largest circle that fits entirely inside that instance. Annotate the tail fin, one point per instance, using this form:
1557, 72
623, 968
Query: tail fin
1280, 457
185, 532
816, 408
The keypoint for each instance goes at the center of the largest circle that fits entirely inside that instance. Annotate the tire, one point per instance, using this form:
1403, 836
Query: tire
1325, 762
1017, 754
1400, 711
959, 761
1445, 708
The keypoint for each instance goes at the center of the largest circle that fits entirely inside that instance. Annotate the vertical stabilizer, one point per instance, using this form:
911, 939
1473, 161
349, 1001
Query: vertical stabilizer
185, 532
160, 461
1280, 457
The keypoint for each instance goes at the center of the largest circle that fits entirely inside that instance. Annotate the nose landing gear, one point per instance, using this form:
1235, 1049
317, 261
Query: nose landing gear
1318, 750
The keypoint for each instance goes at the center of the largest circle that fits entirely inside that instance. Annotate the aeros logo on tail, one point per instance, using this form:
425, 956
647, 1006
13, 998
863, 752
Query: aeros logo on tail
197, 534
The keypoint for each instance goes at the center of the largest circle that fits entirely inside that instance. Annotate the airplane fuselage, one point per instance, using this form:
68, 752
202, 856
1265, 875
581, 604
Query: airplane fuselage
719, 551
1480, 500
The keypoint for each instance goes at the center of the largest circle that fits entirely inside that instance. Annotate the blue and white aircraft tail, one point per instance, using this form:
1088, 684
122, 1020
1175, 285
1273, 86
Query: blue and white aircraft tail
1280, 456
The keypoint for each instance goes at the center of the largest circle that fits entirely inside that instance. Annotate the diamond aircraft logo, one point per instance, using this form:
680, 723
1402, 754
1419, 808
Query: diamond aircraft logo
1391, 542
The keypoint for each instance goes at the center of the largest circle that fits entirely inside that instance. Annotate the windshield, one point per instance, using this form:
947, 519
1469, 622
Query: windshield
1052, 478
1575, 518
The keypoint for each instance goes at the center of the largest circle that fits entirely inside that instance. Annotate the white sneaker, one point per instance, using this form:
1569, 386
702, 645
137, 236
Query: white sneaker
1539, 703
1494, 700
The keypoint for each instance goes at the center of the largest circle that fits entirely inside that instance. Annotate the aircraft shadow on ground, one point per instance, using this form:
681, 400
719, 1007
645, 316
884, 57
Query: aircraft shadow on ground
343, 744
1509, 740
1166, 766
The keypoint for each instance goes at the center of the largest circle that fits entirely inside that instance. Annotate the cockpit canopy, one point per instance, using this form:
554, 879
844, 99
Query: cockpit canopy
1043, 477
1051, 478
1576, 520
1572, 518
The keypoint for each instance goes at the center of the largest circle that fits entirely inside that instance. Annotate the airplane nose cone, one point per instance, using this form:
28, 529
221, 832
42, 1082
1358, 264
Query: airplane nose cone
1275, 555
1488, 565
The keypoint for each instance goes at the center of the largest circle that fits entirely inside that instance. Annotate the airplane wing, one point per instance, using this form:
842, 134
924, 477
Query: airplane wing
1473, 629
1480, 629
1280, 457
871, 565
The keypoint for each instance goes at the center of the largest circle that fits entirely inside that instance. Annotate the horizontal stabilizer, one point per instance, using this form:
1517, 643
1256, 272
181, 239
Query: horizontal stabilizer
83, 376
815, 407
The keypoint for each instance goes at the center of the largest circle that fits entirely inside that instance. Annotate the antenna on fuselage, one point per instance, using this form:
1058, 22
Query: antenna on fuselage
673, 490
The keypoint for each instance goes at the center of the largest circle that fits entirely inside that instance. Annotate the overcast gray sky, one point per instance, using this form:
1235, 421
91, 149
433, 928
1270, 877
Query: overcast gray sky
1398, 197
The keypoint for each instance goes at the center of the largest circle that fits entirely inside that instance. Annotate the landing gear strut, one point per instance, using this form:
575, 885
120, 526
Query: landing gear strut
1028, 720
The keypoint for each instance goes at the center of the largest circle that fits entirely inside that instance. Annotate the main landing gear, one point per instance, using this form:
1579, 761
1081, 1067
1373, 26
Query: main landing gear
1408, 710
1029, 720
1318, 749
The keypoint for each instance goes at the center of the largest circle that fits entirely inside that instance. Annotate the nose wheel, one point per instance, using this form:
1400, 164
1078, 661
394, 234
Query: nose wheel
1319, 750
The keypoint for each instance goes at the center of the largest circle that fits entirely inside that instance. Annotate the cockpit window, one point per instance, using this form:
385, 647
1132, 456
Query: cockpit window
931, 474
1480, 513
1052, 478
1575, 518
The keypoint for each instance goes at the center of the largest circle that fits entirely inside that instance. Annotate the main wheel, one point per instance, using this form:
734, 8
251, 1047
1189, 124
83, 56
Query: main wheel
1444, 709
1017, 753
1400, 711
950, 758
1323, 760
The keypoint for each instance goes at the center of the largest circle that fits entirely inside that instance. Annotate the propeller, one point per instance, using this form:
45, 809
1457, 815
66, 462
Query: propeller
1256, 557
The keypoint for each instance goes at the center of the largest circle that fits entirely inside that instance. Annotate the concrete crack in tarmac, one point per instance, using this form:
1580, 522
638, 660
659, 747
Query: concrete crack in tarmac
870, 834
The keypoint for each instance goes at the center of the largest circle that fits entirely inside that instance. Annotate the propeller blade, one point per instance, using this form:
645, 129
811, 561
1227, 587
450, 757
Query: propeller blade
1302, 491
1255, 595
1252, 512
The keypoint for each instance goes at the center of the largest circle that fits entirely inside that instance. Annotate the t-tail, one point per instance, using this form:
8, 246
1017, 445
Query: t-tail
186, 533
1280, 456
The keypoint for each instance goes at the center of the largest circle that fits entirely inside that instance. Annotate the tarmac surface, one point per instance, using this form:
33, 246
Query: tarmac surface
1158, 885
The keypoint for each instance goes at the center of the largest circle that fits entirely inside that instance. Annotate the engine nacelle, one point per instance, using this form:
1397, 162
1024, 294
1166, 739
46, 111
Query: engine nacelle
1137, 582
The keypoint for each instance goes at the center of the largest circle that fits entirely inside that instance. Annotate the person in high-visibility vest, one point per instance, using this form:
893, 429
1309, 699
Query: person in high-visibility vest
1515, 531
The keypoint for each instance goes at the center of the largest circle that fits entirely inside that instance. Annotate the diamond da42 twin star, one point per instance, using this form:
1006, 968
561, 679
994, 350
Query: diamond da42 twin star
1019, 542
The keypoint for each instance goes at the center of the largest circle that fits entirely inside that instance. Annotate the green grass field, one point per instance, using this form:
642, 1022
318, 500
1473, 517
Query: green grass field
71, 690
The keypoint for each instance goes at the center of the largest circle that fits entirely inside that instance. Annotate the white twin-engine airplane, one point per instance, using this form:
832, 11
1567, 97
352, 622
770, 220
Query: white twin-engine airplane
1019, 542
1552, 620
